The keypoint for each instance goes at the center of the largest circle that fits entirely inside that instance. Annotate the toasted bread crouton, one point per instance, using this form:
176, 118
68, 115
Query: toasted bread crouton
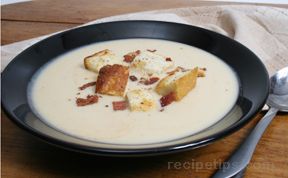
140, 100
151, 62
112, 80
180, 83
96, 61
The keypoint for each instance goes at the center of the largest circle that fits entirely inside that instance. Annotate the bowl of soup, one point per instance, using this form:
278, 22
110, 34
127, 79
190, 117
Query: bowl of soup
134, 88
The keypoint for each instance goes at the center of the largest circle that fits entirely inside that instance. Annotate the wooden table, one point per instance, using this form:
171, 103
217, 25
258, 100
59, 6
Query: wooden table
25, 156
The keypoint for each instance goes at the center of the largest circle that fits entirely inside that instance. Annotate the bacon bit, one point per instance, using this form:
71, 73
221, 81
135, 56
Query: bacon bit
152, 50
130, 56
90, 99
83, 87
152, 80
133, 78
149, 81
161, 110
168, 59
167, 99
119, 105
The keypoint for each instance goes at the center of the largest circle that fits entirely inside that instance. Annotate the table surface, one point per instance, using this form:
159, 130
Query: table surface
25, 156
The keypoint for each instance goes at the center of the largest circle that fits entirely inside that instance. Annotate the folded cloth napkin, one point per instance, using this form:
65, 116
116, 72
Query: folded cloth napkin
264, 30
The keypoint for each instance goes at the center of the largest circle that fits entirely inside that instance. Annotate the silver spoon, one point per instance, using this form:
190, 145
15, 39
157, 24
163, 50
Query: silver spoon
278, 101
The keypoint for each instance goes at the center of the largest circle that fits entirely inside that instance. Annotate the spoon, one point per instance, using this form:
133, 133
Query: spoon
277, 101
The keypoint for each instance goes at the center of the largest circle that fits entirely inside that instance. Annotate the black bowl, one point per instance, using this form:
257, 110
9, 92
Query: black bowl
253, 81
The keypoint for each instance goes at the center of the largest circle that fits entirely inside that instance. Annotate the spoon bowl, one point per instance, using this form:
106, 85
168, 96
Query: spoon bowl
278, 97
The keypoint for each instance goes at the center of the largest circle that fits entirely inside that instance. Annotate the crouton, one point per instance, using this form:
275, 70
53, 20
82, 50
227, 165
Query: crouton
180, 83
151, 62
140, 100
96, 61
112, 80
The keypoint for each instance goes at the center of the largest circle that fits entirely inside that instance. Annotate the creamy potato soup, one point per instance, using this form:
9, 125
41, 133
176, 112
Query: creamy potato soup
54, 90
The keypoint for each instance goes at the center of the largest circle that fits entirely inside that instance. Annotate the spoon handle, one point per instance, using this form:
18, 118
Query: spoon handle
242, 156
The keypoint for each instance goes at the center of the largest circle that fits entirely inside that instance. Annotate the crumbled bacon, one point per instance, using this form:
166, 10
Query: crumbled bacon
90, 99
152, 80
168, 59
83, 87
133, 78
149, 81
152, 50
167, 99
119, 105
130, 56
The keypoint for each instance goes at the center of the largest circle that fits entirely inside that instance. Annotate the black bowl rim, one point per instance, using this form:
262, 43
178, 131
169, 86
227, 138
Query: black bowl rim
146, 151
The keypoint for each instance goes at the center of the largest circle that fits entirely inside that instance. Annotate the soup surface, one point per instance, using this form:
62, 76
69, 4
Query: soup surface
53, 89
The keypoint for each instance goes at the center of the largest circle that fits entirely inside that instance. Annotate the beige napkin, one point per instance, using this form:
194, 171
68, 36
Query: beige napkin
262, 29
